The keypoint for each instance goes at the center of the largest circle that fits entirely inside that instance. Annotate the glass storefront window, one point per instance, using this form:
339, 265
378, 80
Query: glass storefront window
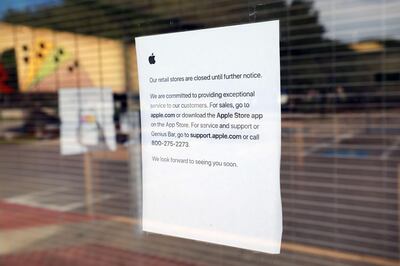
340, 128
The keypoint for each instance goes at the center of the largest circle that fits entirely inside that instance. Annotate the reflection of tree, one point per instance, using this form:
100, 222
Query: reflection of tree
309, 61
113, 19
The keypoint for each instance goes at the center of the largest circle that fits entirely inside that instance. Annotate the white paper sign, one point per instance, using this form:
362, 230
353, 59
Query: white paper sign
86, 120
211, 135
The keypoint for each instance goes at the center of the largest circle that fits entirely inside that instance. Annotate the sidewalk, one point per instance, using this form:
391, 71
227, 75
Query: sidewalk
39, 237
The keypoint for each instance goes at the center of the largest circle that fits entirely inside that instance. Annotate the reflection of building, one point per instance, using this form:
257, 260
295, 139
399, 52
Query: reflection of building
46, 60
378, 64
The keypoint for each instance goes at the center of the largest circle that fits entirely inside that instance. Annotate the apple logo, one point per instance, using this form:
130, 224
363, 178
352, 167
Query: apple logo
152, 59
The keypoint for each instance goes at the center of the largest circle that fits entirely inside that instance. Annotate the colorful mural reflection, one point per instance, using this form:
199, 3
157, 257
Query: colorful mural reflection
42, 60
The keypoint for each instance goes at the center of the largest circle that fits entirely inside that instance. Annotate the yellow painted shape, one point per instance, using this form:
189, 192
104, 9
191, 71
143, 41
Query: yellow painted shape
36, 61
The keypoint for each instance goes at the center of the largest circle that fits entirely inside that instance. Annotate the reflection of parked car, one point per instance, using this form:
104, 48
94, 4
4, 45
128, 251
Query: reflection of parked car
38, 124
